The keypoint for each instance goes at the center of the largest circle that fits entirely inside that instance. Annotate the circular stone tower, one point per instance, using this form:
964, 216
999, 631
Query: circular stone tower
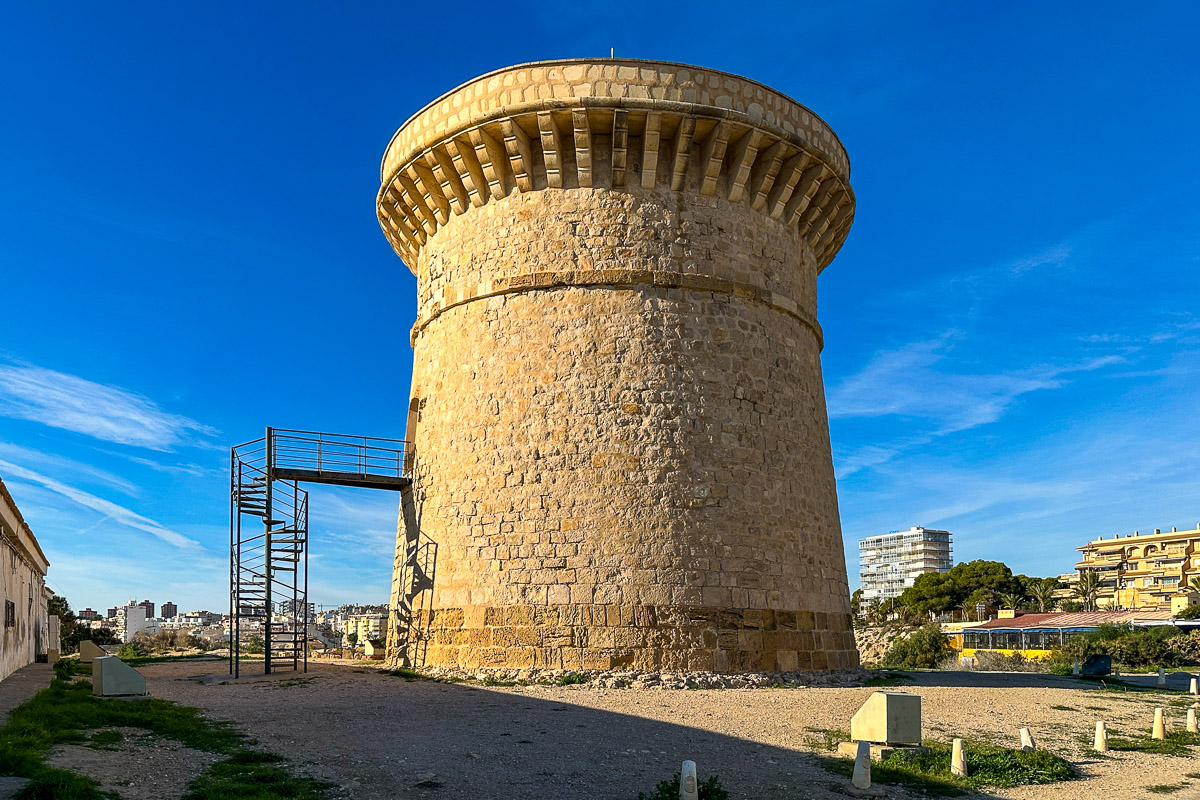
619, 425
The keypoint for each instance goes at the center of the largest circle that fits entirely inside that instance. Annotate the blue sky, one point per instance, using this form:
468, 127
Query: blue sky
191, 253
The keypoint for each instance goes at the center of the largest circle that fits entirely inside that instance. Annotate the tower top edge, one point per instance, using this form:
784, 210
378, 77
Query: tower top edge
562, 83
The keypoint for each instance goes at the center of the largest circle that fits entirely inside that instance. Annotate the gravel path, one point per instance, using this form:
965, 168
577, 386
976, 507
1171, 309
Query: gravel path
377, 736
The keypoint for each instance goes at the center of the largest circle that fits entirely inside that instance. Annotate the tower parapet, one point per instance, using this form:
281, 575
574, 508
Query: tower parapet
620, 430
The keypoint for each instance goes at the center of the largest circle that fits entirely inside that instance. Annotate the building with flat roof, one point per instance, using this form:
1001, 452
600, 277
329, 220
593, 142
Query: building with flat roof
1144, 571
169, 610
131, 619
890, 563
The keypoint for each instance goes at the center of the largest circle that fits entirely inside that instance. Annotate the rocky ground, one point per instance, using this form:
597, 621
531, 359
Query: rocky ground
378, 736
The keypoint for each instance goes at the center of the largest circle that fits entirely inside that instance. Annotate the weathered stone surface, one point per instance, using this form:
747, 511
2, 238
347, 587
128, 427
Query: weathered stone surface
888, 718
112, 677
88, 651
621, 442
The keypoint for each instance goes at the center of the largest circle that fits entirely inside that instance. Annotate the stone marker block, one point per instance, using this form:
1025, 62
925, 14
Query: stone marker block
112, 677
958, 759
88, 650
689, 789
52, 655
888, 718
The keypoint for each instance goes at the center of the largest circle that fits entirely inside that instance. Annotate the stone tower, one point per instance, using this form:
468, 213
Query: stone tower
621, 442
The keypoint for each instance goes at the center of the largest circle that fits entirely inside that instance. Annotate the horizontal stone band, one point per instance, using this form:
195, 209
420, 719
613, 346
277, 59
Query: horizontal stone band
615, 278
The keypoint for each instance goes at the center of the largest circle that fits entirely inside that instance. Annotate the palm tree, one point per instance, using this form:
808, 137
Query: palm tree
1087, 589
1011, 600
1194, 583
967, 608
1043, 594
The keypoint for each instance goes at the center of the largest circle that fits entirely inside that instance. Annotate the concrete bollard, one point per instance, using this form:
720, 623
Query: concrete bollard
688, 790
1160, 728
1027, 742
1075, 668
1116, 673
1100, 743
1162, 678
958, 760
1191, 721
1194, 687
862, 766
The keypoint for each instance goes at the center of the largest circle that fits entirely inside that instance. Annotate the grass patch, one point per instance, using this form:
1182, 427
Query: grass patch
988, 766
492, 680
66, 711
137, 661
252, 775
1191, 774
829, 738
413, 675
1165, 788
1176, 743
1064, 708
888, 679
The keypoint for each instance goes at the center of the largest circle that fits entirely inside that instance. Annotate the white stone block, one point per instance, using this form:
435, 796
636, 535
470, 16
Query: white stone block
889, 718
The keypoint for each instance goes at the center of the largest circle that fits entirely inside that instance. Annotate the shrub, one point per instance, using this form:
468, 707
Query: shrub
1134, 648
708, 789
1191, 612
999, 662
926, 648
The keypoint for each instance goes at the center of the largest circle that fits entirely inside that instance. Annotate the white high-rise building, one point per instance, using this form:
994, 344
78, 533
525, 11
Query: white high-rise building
890, 563
131, 618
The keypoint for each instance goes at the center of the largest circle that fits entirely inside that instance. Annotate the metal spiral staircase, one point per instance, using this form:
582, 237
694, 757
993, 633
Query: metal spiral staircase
268, 534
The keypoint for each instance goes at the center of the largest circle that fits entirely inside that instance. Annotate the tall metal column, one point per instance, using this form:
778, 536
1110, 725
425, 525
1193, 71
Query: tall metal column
267, 569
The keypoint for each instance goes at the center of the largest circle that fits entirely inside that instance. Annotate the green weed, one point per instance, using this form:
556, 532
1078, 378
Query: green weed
570, 679
1176, 743
988, 766
708, 789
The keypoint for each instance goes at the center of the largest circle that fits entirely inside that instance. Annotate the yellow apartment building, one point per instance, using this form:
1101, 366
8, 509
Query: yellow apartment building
1144, 571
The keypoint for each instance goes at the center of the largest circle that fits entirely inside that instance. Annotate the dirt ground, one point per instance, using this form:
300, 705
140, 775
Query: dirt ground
139, 767
379, 736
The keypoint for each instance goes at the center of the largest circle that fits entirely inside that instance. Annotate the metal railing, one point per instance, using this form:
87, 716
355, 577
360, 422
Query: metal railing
334, 452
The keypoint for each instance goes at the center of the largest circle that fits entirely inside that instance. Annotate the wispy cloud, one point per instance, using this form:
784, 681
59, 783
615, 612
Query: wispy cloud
908, 382
29, 456
108, 509
104, 412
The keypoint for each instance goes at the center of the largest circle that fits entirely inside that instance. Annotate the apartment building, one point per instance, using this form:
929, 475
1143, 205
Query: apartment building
1144, 571
890, 563
366, 626
131, 619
